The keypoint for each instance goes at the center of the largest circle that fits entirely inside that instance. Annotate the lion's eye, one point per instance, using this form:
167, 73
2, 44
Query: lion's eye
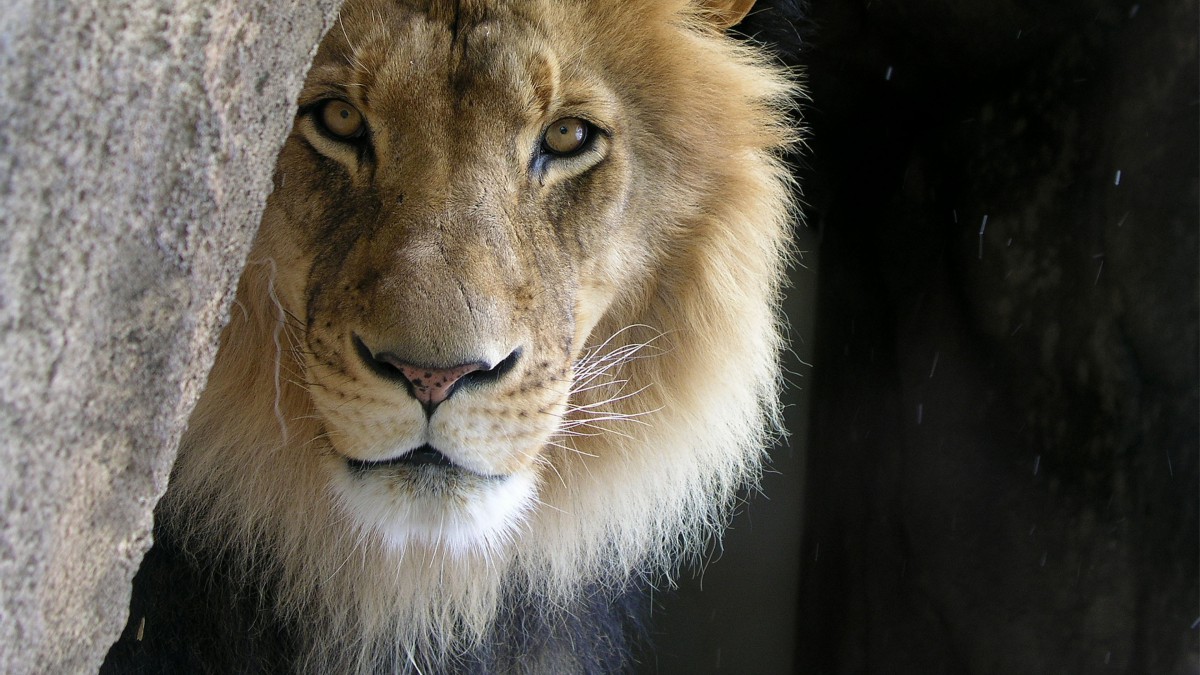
341, 120
566, 136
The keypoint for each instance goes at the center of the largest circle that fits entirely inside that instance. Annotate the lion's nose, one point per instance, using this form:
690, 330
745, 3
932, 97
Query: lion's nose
431, 385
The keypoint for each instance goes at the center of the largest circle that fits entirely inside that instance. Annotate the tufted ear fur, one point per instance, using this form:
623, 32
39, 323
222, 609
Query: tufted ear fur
726, 13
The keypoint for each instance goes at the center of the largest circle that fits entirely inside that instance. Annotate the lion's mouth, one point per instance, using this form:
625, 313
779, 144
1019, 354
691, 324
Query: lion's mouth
426, 455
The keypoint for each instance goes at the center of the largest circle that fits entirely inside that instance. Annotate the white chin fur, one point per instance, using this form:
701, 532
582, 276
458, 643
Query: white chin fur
458, 514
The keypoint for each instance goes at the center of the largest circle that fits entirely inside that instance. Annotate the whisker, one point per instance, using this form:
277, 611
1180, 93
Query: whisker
615, 399
606, 430
568, 448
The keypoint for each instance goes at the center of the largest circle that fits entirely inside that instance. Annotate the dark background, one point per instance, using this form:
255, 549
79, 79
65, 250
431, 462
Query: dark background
993, 456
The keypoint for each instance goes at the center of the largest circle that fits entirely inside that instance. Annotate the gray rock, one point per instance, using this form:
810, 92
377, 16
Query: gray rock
137, 140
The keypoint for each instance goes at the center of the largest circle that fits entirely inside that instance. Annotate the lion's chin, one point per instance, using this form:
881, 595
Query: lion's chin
437, 507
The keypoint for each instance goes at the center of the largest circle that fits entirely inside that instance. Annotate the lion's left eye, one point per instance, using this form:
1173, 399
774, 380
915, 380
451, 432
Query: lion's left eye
566, 136
341, 120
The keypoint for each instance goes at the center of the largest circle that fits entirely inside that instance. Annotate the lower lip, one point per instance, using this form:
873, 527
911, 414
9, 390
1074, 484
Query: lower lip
422, 456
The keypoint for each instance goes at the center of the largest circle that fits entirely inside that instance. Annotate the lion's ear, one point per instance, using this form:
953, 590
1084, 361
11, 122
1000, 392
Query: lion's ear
726, 13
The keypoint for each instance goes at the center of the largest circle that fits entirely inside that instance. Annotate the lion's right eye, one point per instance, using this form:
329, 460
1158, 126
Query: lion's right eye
341, 120
566, 136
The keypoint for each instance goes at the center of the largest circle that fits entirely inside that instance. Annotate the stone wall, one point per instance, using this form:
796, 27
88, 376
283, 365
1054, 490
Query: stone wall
137, 139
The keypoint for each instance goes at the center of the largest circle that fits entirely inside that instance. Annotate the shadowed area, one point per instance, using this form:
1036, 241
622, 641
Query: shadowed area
1001, 473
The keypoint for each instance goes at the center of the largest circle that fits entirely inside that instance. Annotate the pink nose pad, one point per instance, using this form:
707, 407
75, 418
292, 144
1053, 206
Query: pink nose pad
431, 386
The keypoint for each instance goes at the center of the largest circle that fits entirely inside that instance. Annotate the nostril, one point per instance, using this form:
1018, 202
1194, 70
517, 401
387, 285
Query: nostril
497, 371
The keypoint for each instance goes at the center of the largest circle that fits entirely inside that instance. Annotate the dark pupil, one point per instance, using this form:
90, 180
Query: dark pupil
563, 130
345, 114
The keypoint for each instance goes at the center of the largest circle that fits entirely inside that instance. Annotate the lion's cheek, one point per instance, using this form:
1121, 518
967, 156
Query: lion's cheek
598, 289
590, 307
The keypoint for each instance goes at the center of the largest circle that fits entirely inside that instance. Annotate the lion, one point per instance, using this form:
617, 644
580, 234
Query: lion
503, 354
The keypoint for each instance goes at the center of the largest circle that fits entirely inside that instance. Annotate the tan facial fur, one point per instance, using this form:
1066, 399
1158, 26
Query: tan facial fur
614, 305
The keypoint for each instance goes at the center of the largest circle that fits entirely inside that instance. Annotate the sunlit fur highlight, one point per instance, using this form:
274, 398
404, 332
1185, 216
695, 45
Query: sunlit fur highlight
672, 400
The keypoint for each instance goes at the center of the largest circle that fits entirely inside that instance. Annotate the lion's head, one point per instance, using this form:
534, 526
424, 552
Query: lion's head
509, 322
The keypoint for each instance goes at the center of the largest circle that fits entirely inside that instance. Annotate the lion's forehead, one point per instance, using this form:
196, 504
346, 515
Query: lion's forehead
446, 57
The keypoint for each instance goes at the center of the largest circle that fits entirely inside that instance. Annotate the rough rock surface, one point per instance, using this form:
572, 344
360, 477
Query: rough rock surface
137, 139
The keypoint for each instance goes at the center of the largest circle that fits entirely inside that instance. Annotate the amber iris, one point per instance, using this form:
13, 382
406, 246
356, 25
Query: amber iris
566, 136
341, 120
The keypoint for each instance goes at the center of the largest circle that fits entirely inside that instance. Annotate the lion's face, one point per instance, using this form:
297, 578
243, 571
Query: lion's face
450, 222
